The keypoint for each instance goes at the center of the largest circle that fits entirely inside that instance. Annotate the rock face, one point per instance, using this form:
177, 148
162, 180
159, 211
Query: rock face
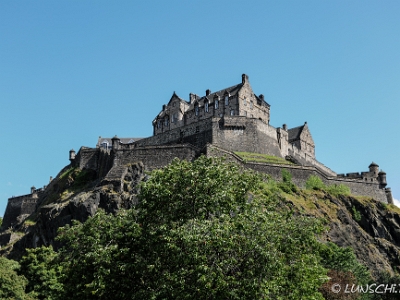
77, 196
370, 227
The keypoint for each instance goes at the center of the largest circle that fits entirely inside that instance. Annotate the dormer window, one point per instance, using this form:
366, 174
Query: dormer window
206, 106
216, 103
226, 100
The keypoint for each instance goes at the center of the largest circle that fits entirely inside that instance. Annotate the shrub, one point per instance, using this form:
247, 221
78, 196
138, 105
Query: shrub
315, 183
356, 214
338, 189
287, 185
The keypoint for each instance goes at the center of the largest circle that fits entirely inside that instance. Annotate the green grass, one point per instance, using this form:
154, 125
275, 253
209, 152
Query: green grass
263, 158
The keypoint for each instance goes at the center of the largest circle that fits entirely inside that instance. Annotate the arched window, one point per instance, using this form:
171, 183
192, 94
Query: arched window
216, 103
226, 100
244, 101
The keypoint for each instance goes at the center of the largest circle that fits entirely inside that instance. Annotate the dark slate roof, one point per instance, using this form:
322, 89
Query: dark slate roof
373, 165
294, 133
233, 90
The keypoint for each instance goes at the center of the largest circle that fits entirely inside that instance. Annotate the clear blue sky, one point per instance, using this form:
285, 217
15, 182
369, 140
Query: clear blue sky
71, 71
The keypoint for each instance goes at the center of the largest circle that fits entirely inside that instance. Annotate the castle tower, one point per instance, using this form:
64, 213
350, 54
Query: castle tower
115, 142
373, 170
382, 179
72, 155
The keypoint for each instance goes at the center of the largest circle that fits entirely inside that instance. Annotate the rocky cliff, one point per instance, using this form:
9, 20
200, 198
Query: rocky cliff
370, 227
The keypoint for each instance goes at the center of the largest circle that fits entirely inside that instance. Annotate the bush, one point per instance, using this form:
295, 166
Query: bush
287, 185
315, 183
338, 189
356, 214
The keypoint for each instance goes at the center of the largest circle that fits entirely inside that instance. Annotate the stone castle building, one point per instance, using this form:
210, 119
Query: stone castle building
230, 120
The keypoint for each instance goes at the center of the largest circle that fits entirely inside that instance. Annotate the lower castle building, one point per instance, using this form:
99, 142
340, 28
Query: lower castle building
230, 120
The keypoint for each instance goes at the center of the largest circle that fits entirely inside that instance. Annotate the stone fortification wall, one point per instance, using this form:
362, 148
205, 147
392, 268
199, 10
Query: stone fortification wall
17, 207
300, 174
235, 133
247, 135
198, 134
87, 158
155, 157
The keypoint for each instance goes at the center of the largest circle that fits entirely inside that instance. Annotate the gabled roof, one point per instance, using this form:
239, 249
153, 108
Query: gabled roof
175, 96
294, 133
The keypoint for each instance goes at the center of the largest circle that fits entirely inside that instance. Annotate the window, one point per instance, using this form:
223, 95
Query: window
245, 113
158, 123
206, 107
216, 104
251, 104
104, 145
226, 100
232, 112
244, 101
166, 121
196, 110
174, 118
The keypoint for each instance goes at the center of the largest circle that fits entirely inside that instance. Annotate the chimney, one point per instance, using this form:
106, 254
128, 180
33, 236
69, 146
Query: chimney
163, 107
245, 78
284, 127
208, 92
261, 97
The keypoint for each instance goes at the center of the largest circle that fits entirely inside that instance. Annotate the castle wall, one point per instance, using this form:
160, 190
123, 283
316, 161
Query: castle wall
246, 135
18, 206
87, 158
197, 134
300, 174
155, 157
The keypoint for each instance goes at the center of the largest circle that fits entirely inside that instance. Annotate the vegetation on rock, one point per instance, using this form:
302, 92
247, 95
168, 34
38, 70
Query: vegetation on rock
204, 230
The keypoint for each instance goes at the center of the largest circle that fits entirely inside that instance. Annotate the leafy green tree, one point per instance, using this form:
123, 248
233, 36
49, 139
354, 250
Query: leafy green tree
204, 230
344, 268
41, 268
1, 221
12, 285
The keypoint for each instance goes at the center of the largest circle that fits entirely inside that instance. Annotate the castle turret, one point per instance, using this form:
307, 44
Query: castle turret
72, 155
382, 179
373, 169
115, 143
389, 196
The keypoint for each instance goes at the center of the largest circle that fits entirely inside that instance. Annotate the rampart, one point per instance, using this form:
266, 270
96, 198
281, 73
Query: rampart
19, 207
300, 174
